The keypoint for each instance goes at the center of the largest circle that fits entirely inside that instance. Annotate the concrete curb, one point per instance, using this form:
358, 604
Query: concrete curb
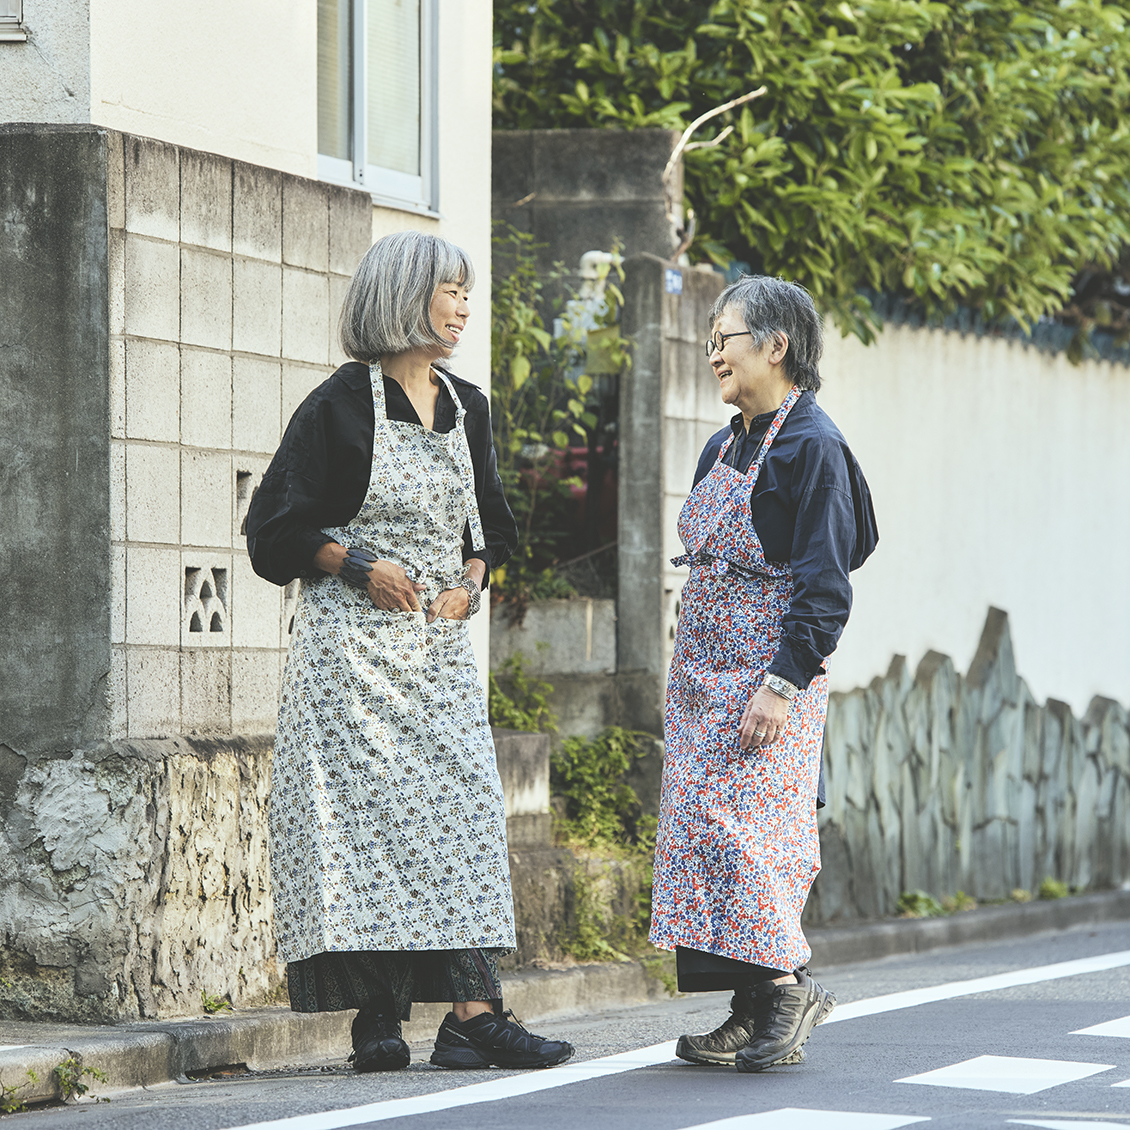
151, 1052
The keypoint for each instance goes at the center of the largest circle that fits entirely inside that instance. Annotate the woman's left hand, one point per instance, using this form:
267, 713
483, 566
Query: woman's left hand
763, 719
451, 604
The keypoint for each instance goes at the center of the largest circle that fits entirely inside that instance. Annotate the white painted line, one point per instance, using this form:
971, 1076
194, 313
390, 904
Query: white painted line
507, 1088
1124, 1083
1008, 1073
15, 1047
1053, 1124
1119, 1027
914, 997
795, 1118
548, 1078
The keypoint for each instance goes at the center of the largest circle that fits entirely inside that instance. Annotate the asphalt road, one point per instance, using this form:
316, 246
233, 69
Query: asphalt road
992, 1054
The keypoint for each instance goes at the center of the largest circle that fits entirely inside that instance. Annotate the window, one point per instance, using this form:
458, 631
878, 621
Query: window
12, 28
376, 97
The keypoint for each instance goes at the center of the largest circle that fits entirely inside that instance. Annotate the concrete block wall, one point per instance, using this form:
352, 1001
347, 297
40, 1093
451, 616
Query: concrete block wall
225, 281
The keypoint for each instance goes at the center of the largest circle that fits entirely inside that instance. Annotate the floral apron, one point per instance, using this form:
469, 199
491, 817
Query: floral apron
737, 847
388, 830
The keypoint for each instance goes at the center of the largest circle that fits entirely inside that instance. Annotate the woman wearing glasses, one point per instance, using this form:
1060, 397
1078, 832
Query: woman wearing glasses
778, 516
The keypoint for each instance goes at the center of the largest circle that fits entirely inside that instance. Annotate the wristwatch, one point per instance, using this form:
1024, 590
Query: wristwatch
781, 687
474, 593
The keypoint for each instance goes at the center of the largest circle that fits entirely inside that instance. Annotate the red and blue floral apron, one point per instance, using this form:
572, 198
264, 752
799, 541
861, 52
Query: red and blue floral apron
737, 848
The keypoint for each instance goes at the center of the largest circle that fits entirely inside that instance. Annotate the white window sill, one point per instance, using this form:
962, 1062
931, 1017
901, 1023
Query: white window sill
13, 34
335, 171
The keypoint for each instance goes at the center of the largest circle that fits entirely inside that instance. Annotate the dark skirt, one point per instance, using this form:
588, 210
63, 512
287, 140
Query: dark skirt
701, 972
328, 982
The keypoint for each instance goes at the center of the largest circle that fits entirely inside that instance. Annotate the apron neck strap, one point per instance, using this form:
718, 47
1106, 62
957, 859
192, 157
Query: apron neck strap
771, 432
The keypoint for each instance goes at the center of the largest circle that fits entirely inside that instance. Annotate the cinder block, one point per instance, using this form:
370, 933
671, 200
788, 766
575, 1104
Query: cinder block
115, 180
205, 200
205, 299
256, 606
205, 691
256, 400
152, 188
116, 694
256, 212
351, 228
254, 691
117, 388
207, 599
116, 281
153, 692
305, 319
297, 383
152, 289
256, 307
291, 593
154, 585
205, 398
117, 594
152, 494
206, 498
152, 382
117, 491
305, 223
339, 285
248, 475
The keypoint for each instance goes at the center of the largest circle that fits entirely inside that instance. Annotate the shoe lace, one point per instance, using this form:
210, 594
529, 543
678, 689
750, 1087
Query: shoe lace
509, 1018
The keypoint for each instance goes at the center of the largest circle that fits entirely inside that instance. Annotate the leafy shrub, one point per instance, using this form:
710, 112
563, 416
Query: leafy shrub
515, 701
918, 904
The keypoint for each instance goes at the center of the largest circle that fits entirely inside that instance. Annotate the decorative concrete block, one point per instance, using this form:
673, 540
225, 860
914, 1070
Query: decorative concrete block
205, 299
152, 188
205, 200
207, 599
248, 475
256, 212
305, 317
256, 606
152, 389
205, 695
154, 584
298, 381
117, 491
116, 281
206, 498
153, 692
339, 285
117, 594
305, 223
256, 307
254, 691
351, 228
152, 289
116, 694
115, 180
117, 388
255, 407
152, 494
559, 637
205, 398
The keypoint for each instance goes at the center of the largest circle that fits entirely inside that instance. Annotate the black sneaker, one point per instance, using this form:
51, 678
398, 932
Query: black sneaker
790, 1013
377, 1043
720, 1047
490, 1039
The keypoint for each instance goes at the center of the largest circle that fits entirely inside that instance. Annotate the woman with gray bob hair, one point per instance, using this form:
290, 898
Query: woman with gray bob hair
778, 515
386, 306
771, 307
389, 867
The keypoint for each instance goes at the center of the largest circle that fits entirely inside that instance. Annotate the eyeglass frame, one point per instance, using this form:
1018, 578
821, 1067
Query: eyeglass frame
718, 340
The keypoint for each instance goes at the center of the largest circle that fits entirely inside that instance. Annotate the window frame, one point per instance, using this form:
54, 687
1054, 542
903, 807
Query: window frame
12, 28
390, 187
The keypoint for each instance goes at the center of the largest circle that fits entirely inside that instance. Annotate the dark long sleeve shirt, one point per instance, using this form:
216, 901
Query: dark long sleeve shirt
320, 473
812, 509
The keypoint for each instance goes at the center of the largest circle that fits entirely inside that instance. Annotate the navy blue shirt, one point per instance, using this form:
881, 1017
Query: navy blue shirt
812, 510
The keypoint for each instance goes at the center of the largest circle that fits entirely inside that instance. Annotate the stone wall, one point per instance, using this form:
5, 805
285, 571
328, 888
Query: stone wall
946, 783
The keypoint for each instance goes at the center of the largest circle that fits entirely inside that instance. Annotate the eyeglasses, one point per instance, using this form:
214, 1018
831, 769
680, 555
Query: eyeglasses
718, 341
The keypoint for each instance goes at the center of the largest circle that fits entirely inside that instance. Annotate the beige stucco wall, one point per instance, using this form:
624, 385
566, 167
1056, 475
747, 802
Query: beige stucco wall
47, 78
1000, 477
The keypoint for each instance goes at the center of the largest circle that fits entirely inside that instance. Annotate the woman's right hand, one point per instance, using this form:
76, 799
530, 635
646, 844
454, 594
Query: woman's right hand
389, 587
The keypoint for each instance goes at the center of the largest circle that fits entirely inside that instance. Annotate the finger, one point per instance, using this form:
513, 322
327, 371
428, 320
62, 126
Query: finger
435, 609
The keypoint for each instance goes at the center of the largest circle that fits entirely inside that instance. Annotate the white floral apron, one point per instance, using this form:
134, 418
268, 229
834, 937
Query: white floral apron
387, 825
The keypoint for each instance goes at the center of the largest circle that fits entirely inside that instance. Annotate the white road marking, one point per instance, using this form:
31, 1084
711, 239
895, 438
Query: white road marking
796, 1118
1053, 1124
14, 1047
914, 997
1011, 1074
515, 1085
1119, 1027
1124, 1083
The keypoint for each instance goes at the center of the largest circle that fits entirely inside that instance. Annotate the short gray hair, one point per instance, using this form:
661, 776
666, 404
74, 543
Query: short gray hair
771, 306
387, 304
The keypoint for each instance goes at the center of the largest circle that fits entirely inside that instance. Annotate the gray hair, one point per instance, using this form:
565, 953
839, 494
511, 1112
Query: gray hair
386, 309
770, 307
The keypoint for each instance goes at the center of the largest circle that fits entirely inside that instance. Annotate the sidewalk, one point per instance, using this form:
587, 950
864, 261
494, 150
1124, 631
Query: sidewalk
150, 1052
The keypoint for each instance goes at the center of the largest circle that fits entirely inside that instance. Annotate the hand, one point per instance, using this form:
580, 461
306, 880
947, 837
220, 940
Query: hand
390, 588
763, 719
451, 604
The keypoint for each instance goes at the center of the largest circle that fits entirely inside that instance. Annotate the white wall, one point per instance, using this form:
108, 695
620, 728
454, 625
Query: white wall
1000, 476
238, 79
47, 79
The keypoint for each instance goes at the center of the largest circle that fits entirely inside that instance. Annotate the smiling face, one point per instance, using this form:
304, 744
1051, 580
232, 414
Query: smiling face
449, 312
748, 377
